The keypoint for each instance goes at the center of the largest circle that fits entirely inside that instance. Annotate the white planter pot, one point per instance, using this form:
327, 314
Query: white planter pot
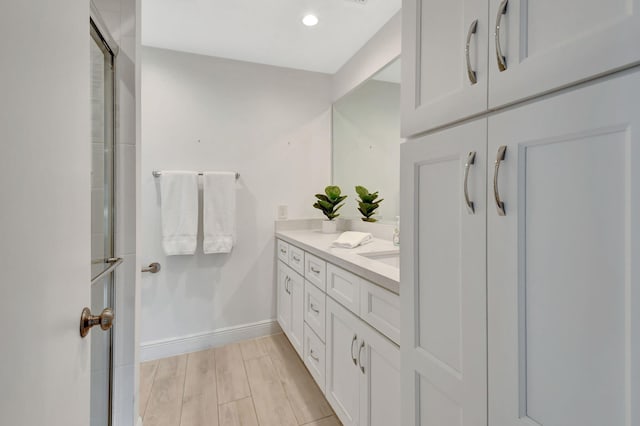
329, 226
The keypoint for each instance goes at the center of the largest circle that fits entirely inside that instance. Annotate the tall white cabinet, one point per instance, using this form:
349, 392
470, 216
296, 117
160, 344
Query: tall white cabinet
564, 261
528, 304
463, 57
550, 44
444, 302
521, 214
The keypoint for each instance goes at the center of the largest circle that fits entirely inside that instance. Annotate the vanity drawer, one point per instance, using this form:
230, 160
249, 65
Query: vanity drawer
296, 259
344, 288
314, 309
381, 309
283, 251
315, 270
314, 356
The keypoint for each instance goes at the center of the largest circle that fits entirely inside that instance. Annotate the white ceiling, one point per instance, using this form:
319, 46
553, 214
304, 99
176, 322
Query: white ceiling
266, 31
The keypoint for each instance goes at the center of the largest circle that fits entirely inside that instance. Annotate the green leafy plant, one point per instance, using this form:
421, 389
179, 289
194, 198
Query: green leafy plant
367, 203
329, 202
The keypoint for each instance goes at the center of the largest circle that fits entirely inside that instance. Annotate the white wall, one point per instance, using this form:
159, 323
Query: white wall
272, 125
121, 18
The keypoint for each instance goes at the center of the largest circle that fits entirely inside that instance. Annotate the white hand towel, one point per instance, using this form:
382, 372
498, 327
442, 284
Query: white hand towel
352, 239
179, 211
219, 211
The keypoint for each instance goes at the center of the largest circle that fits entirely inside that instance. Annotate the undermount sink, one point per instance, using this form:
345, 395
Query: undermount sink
391, 258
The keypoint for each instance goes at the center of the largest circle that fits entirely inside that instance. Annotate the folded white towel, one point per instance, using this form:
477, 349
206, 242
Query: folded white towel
352, 239
179, 212
219, 211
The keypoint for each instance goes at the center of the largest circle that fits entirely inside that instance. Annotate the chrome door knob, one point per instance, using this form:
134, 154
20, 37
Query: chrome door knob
87, 321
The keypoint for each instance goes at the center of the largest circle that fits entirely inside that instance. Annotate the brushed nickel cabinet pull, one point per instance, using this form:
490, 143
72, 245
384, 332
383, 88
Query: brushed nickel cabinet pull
471, 159
473, 77
313, 355
355, 338
502, 60
496, 190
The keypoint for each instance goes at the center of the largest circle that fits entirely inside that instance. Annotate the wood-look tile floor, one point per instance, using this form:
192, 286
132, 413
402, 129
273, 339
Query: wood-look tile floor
259, 382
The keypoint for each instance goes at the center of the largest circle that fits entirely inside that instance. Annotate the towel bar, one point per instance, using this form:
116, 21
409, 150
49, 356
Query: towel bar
157, 173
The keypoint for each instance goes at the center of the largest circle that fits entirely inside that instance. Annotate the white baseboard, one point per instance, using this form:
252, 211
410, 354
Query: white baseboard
197, 342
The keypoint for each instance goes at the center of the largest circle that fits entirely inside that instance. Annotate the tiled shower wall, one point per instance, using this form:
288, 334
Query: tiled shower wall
122, 20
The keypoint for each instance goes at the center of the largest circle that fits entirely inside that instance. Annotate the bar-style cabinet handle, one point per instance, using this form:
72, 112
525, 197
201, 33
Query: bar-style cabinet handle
355, 339
496, 190
473, 78
471, 159
502, 60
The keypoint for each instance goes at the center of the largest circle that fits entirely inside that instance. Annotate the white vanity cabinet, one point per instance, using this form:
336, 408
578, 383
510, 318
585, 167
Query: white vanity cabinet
532, 47
525, 306
363, 370
290, 302
342, 387
349, 328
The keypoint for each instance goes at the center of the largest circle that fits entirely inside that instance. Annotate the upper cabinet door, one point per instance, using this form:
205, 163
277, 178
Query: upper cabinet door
439, 84
563, 270
443, 264
548, 44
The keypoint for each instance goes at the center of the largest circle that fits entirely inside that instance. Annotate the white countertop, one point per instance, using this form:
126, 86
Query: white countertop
319, 244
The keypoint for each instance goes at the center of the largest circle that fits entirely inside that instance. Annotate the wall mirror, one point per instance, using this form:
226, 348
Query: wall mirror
366, 143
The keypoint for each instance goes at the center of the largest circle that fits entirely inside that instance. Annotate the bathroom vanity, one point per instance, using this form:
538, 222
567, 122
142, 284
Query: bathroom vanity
340, 309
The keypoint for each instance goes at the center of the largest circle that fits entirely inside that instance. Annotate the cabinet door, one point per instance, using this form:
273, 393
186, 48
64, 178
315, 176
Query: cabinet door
379, 363
563, 270
284, 299
296, 287
436, 84
551, 44
443, 264
342, 375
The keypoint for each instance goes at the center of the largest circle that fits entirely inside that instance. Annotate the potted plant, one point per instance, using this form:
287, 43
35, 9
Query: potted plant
367, 203
329, 204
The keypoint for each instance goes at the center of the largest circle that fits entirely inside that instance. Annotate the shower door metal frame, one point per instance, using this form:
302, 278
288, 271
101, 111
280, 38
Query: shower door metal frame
101, 35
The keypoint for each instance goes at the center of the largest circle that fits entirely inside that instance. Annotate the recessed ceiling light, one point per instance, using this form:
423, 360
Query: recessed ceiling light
310, 20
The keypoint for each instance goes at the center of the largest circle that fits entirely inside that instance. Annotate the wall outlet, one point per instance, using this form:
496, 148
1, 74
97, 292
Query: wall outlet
283, 212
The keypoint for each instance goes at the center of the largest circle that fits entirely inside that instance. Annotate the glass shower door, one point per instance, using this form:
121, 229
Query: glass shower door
103, 261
